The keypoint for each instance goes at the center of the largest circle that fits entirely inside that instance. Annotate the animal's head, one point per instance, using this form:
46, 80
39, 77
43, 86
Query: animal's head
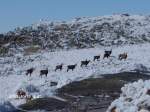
18, 91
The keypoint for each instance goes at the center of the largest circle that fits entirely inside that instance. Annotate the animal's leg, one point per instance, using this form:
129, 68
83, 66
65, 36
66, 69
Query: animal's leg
104, 57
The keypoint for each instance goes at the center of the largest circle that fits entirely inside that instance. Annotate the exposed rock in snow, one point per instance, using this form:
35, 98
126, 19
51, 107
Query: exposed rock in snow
135, 97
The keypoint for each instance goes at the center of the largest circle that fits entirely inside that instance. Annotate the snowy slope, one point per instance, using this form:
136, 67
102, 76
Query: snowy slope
135, 97
12, 69
84, 32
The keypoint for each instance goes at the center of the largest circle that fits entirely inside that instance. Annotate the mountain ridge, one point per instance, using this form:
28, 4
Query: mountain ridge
85, 32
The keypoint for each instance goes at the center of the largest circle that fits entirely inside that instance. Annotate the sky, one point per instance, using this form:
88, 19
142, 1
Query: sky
18, 13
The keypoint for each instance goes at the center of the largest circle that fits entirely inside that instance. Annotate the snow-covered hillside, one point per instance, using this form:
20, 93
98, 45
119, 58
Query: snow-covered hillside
135, 97
47, 44
13, 69
85, 32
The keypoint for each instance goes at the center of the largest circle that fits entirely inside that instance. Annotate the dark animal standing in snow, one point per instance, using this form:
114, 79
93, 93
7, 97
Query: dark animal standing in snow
21, 94
123, 56
44, 72
107, 54
72, 67
59, 67
86, 62
96, 58
29, 71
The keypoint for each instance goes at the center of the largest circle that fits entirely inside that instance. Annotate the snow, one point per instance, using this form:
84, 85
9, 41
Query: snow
12, 69
134, 98
87, 32
6, 106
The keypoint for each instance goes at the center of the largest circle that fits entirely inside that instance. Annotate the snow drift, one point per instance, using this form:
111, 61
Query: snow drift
135, 97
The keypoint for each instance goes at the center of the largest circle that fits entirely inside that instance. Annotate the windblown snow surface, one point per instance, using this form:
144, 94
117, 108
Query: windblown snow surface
13, 69
135, 97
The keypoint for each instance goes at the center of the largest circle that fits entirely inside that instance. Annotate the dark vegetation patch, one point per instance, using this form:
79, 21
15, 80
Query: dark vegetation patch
47, 104
3, 51
128, 76
92, 86
31, 50
108, 84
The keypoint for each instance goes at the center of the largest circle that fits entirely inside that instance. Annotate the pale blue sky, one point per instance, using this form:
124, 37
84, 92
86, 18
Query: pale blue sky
15, 13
